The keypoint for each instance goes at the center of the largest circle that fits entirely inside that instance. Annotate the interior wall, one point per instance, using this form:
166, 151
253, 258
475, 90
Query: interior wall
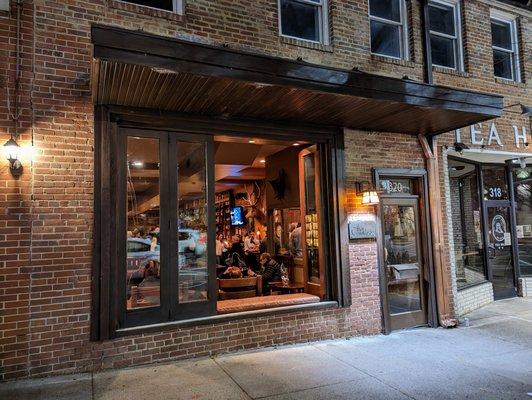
288, 160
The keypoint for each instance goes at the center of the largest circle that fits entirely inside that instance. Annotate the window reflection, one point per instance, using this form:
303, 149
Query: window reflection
143, 247
401, 258
523, 198
467, 227
192, 222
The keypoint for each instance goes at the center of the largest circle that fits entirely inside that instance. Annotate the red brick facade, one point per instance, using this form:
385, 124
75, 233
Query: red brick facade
46, 215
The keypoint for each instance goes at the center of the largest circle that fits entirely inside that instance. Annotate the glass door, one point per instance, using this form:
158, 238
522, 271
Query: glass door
403, 263
500, 259
167, 260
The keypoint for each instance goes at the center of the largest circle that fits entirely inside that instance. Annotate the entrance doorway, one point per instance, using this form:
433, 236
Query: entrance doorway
500, 259
484, 226
405, 276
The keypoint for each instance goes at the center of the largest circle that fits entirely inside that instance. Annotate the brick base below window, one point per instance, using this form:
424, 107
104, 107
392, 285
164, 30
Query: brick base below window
470, 299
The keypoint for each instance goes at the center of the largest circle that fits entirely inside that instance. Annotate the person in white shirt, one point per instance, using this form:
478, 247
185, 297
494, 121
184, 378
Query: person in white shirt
251, 249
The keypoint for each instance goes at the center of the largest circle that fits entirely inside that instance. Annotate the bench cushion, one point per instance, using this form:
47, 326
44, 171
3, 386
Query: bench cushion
259, 303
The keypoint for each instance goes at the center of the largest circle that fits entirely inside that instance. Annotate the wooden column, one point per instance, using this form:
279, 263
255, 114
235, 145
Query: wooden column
445, 312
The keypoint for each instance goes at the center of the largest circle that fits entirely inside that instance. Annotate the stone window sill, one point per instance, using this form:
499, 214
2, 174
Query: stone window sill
147, 11
509, 82
450, 71
306, 44
395, 61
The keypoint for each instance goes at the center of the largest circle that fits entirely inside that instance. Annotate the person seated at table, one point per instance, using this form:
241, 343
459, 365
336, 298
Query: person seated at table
271, 270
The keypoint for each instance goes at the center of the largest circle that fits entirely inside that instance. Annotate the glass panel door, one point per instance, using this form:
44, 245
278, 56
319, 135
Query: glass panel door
403, 263
192, 222
500, 260
192, 226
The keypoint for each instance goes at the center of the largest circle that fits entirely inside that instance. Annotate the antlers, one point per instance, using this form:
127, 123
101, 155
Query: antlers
253, 195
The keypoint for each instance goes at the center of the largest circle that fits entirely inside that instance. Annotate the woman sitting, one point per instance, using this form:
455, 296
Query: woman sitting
271, 270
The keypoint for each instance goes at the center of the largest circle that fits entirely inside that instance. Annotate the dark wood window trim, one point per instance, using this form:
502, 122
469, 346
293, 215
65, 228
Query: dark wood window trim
106, 307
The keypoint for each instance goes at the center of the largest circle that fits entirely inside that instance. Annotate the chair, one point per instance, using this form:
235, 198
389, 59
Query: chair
239, 288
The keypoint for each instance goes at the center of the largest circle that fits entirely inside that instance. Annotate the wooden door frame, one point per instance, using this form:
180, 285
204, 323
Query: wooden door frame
424, 214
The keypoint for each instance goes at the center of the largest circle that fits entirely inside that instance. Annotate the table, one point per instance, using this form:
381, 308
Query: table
289, 288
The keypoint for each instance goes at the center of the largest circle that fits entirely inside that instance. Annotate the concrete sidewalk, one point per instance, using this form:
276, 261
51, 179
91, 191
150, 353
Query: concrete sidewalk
490, 359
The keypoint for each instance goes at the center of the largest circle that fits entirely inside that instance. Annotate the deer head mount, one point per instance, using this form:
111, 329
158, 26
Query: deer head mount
251, 201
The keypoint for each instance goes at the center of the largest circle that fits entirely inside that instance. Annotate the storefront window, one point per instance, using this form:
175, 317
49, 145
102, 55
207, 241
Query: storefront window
523, 197
467, 225
192, 222
199, 212
143, 274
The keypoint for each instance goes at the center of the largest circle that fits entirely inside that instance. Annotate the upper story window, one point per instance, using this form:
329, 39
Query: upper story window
505, 47
389, 33
168, 5
304, 19
445, 34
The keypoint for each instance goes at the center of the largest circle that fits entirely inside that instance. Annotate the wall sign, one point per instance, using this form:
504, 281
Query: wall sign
482, 135
362, 229
498, 228
396, 186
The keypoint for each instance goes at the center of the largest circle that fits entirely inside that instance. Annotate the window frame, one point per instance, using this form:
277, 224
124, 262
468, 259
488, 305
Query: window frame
457, 37
323, 7
402, 24
177, 6
106, 320
510, 20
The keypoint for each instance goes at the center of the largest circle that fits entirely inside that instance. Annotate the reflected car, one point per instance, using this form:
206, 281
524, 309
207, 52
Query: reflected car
139, 254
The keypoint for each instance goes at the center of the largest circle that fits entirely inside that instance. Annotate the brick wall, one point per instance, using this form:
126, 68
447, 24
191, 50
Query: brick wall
46, 215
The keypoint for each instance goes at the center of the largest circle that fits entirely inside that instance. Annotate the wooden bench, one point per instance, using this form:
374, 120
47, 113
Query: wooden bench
260, 303
239, 288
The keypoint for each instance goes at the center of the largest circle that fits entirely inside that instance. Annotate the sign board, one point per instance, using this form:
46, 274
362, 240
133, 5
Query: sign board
362, 229
4, 5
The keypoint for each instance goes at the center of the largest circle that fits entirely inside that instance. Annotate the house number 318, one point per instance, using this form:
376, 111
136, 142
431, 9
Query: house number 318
495, 192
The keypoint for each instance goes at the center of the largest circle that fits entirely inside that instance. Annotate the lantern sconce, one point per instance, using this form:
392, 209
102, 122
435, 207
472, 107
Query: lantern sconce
12, 153
368, 193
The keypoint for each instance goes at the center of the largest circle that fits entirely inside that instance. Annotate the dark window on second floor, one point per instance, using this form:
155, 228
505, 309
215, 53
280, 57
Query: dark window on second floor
161, 4
304, 19
504, 44
445, 37
388, 27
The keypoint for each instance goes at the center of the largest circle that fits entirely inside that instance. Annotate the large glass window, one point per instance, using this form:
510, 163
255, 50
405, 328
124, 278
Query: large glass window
445, 37
523, 197
215, 224
467, 223
505, 48
143, 274
304, 19
389, 33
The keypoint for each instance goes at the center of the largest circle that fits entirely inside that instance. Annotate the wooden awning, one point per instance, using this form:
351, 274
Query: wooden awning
142, 70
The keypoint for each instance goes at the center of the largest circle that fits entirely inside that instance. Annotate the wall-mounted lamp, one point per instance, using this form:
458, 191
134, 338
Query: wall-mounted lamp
12, 153
459, 147
368, 193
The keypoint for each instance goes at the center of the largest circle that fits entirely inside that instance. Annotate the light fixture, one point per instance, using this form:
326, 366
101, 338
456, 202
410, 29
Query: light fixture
251, 141
12, 153
370, 196
262, 161
459, 147
296, 144
526, 110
